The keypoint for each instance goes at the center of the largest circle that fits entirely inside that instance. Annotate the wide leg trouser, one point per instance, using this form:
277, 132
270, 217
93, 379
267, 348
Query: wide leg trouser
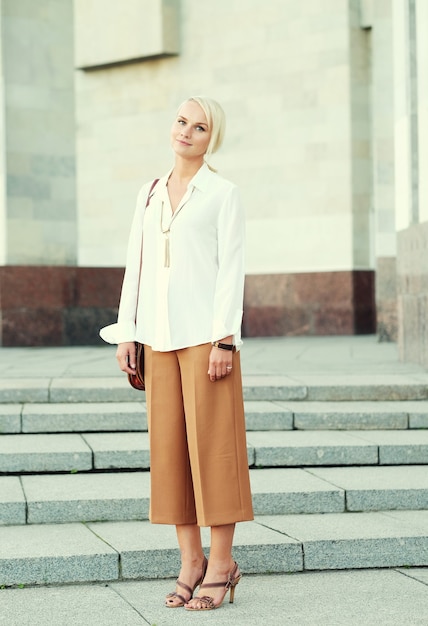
198, 452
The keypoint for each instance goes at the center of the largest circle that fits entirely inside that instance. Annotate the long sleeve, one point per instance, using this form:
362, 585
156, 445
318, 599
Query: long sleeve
229, 290
124, 329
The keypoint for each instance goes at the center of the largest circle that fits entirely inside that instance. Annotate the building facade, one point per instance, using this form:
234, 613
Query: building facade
326, 137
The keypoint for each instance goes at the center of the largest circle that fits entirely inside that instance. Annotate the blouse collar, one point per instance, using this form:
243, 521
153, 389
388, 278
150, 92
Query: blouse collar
199, 181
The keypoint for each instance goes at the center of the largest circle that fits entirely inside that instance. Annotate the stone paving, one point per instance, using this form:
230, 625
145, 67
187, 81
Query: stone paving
338, 451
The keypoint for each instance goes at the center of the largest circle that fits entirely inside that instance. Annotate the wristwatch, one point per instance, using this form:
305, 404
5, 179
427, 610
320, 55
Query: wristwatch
222, 346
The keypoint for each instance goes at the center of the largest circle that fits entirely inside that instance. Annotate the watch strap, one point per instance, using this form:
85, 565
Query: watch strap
222, 346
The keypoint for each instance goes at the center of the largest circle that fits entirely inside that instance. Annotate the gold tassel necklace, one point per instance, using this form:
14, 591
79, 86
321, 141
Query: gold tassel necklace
166, 232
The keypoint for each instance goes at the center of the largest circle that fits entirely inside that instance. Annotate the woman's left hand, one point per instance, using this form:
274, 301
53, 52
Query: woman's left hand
220, 362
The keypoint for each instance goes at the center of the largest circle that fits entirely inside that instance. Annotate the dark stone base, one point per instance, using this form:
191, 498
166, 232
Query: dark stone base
57, 306
324, 303
62, 306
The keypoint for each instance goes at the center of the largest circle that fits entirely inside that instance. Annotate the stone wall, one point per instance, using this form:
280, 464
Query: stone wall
54, 306
50, 306
386, 298
324, 303
294, 80
383, 164
412, 271
39, 212
411, 156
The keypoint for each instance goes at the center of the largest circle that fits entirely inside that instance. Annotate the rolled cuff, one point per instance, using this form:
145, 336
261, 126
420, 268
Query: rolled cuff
221, 330
118, 333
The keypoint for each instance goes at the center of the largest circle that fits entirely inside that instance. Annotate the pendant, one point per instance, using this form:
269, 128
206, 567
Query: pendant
166, 264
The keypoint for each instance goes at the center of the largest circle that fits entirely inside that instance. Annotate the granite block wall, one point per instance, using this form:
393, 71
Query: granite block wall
39, 214
324, 303
412, 280
294, 79
54, 306
383, 170
411, 197
386, 298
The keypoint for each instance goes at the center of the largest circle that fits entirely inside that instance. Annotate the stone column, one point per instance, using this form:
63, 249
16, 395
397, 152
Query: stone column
37, 186
384, 170
411, 151
3, 213
37, 41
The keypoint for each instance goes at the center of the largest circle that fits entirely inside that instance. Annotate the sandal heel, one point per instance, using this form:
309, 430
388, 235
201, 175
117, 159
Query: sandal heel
232, 588
207, 603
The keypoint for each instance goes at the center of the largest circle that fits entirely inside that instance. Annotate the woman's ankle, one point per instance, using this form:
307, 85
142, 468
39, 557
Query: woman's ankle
223, 563
193, 561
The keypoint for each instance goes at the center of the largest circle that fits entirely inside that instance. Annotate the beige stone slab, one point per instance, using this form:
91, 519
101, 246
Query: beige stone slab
87, 497
399, 447
24, 390
150, 550
44, 453
358, 540
10, 418
119, 450
54, 554
12, 501
84, 417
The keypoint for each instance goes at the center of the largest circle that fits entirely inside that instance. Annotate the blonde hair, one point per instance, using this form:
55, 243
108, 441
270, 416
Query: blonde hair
216, 119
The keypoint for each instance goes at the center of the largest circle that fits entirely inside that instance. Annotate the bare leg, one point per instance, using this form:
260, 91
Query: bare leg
192, 559
220, 564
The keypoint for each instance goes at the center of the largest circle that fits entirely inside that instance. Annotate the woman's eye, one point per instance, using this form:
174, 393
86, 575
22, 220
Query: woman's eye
200, 128
181, 122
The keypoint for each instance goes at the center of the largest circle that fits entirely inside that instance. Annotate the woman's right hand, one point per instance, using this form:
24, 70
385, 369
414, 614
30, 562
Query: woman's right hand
126, 355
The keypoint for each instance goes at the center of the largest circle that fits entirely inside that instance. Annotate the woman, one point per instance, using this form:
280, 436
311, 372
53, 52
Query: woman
188, 315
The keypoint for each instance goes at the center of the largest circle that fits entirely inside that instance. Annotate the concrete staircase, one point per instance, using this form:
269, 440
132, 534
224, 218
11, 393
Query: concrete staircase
339, 474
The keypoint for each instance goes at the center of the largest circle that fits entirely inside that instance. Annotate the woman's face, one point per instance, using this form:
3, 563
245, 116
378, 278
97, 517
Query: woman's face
190, 134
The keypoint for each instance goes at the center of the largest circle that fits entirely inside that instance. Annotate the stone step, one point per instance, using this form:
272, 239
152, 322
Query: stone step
326, 448
124, 496
122, 416
260, 415
44, 453
117, 389
41, 453
271, 388
358, 415
102, 551
84, 417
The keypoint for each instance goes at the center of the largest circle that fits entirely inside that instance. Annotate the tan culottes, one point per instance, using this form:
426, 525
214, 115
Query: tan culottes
198, 452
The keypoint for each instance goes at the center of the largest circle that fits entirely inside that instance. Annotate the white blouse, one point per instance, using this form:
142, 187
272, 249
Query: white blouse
192, 275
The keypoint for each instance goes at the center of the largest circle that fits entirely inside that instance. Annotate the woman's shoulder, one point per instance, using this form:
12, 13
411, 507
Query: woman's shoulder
150, 184
218, 182
145, 188
150, 187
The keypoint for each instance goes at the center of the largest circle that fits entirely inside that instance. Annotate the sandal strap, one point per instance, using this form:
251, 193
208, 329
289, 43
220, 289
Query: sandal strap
230, 582
177, 595
206, 601
174, 594
185, 587
214, 585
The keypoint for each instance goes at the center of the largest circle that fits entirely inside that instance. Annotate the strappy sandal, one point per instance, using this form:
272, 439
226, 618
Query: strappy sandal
206, 603
189, 590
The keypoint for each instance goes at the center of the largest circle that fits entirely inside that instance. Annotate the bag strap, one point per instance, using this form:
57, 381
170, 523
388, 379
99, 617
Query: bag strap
149, 195
154, 183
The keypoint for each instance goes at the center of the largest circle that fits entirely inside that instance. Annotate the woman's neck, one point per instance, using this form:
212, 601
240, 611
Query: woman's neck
184, 170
